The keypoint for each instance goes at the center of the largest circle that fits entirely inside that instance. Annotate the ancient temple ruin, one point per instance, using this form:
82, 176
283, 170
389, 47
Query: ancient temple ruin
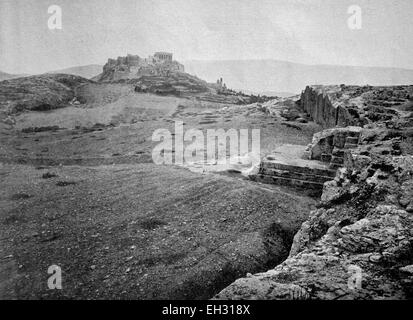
133, 66
163, 56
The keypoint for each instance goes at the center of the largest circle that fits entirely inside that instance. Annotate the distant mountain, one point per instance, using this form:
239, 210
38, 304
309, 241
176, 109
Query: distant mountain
6, 76
282, 76
88, 71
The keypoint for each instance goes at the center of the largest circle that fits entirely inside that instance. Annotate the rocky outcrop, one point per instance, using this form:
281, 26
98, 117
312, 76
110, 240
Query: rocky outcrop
357, 245
287, 166
323, 107
185, 85
39, 93
330, 145
343, 105
176, 84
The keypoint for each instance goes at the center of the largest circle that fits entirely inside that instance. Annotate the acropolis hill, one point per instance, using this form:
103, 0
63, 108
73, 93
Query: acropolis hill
160, 74
133, 66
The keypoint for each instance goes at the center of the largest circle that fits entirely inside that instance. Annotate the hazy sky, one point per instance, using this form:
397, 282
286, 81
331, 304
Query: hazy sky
306, 31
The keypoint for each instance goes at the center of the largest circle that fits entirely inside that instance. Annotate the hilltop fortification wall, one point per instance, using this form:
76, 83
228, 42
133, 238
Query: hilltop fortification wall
133, 66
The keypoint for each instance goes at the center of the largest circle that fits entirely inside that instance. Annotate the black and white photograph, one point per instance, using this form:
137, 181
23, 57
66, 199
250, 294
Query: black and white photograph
221, 151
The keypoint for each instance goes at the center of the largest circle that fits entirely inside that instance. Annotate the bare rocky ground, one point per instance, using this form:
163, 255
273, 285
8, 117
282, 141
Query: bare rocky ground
358, 244
79, 190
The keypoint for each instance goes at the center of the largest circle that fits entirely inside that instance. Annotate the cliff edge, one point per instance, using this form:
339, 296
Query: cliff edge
358, 244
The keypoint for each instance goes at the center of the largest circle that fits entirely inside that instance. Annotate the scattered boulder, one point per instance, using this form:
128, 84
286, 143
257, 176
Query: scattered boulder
330, 141
344, 106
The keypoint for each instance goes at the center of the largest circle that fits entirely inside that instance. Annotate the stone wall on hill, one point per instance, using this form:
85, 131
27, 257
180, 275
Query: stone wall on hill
133, 66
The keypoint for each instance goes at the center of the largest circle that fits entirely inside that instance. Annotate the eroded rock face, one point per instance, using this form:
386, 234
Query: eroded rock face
357, 245
326, 141
325, 108
344, 106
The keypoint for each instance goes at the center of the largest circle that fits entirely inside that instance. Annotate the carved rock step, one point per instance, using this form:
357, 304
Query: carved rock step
287, 165
287, 174
299, 169
289, 182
